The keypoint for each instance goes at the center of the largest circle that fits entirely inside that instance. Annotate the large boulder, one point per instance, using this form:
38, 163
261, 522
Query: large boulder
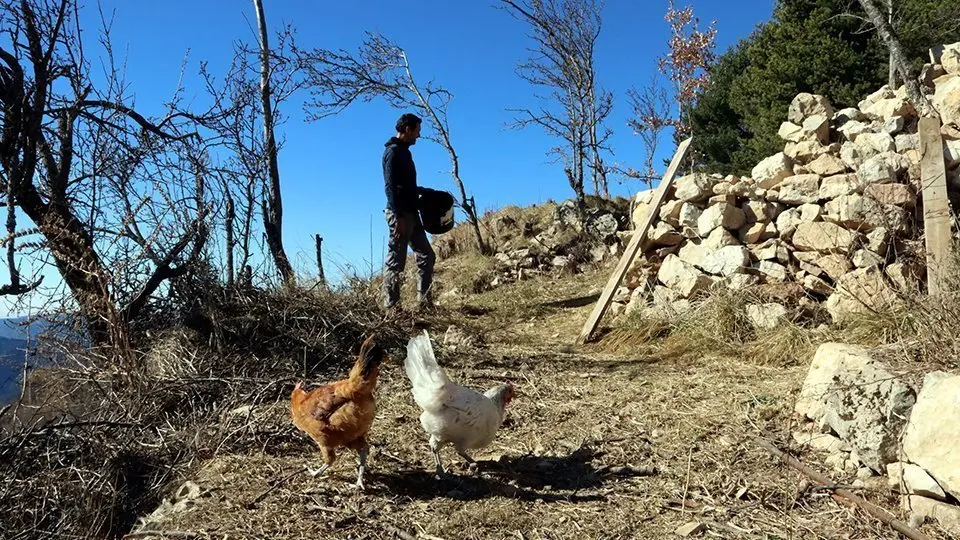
806, 105
891, 107
865, 213
727, 260
772, 170
683, 278
860, 292
720, 215
767, 316
694, 187
800, 189
946, 98
839, 185
827, 165
824, 237
859, 399
950, 58
932, 439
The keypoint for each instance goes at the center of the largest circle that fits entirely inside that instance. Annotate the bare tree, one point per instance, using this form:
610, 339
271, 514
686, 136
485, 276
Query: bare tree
112, 192
899, 58
651, 114
272, 202
573, 110
239, 132
381, 69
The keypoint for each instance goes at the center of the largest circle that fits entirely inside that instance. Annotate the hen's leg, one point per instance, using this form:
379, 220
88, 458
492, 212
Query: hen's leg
329, 456
435, 446
362, 453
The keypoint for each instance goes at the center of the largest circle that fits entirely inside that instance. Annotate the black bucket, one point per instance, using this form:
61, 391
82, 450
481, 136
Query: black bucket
436, 210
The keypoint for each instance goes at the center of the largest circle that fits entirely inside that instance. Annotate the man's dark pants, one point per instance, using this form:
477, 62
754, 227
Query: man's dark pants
414, 236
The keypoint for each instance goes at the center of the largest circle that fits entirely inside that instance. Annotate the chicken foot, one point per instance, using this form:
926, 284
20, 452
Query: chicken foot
435, 446
362, 453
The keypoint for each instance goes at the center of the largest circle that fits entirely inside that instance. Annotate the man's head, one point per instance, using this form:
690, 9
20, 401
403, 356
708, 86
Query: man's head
408, 128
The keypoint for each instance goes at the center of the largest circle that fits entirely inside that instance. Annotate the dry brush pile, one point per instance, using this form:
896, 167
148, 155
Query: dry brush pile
93, 444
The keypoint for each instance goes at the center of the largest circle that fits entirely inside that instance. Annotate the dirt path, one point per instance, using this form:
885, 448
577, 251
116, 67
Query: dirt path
595, 446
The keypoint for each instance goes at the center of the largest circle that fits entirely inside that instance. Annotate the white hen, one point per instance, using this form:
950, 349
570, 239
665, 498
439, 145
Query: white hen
451, 413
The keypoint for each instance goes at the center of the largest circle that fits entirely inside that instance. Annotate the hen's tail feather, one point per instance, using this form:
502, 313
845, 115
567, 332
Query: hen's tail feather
426, 376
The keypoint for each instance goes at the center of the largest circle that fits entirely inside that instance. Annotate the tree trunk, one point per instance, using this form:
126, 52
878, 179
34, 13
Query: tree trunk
228, 227
892, 77
889, 37
79, 266
272, 204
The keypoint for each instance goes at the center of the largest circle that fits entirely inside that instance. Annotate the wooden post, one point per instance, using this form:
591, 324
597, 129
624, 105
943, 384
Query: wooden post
936, 207
634, 246
320, 276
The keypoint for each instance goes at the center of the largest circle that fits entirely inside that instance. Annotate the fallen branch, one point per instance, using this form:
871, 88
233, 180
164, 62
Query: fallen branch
161, 534
866, 506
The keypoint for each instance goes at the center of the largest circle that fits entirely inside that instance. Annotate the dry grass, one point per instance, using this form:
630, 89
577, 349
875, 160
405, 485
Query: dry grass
922, 329
631, 437
631, 445
718, 326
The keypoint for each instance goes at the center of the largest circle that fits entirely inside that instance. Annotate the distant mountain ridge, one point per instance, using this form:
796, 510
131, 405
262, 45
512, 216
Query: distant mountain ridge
11, 365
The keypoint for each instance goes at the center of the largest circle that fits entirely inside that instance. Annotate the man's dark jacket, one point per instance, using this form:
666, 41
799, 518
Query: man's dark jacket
399, 177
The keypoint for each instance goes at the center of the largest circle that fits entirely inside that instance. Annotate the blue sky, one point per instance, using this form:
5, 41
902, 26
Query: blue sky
330, 169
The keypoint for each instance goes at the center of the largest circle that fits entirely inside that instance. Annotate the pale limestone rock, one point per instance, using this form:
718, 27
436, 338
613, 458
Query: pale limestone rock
871, 144
860, 292
946, 515
758, 232
817, 128
878, 241
773, 271
694, 187
910, 479
824, 237
720, 215
892, 194
859, 399
727, 260
816, 285
931, 438
905, 277
864, 258
663, 234
946, 98
885, 109
739, 282
876, 170
689, 214
787, 222
767, 316
800, 189
682, 277
810, 212
827, 165
759, 211
839, 185
805, 105
772, 170
835, 265
790, 132
670, 212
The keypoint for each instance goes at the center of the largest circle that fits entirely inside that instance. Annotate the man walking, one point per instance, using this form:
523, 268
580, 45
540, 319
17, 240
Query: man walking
403, 219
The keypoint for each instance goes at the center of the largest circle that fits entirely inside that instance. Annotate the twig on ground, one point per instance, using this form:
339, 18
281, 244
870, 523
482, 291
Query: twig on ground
868, 507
